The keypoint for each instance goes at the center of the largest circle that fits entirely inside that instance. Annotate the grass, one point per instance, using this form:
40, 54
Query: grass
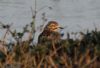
68, 53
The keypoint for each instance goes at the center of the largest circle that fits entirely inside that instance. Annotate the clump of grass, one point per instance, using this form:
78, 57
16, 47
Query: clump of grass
71, 57
69, 53
65, 53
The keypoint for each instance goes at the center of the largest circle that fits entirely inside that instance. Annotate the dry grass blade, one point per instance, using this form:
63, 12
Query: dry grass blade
82, 58
64, 59
34, 61
55, 51
84, 66
40, 63
51, 61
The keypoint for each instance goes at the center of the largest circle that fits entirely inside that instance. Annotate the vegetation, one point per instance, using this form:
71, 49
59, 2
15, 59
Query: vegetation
67, 53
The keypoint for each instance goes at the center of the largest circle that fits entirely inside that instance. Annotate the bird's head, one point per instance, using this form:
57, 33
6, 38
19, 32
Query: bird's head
53, 26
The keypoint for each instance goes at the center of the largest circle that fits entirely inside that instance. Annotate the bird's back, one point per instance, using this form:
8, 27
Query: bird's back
46, 36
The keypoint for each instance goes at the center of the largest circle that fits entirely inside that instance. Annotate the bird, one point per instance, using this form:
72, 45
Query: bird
50, 33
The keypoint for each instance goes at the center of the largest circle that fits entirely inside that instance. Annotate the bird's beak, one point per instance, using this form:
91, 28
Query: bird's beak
60, 27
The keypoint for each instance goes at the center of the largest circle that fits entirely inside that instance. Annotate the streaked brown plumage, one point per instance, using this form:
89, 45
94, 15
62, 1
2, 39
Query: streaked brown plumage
50, 33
